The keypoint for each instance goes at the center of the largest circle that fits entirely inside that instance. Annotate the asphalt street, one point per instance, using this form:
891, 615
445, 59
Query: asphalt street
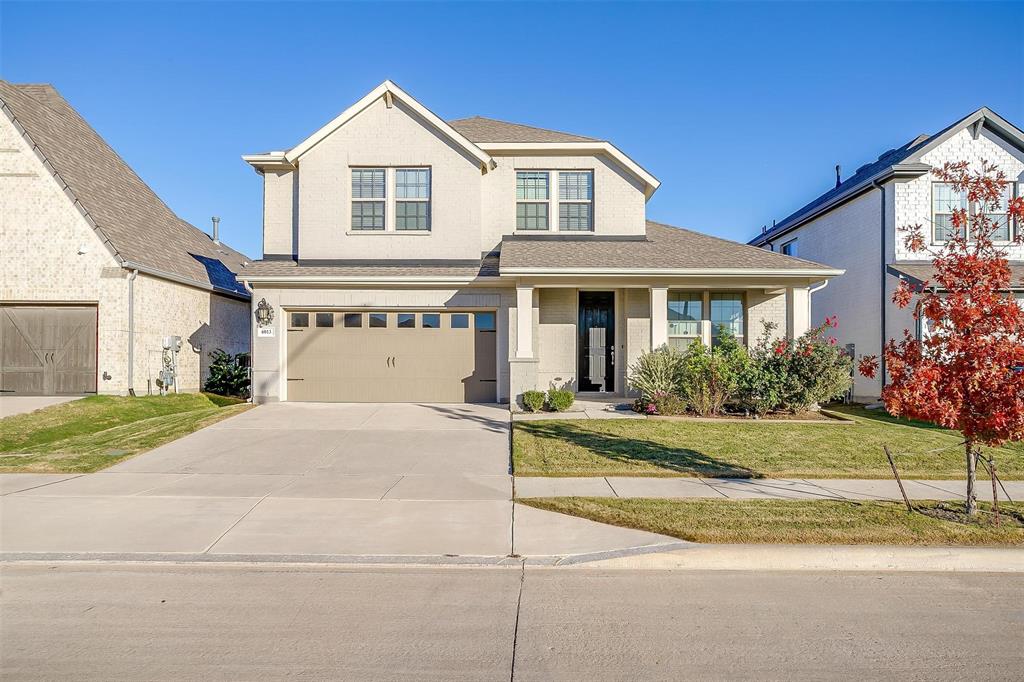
213, 622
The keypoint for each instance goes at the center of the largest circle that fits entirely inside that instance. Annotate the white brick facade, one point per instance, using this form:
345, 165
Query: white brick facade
50, 254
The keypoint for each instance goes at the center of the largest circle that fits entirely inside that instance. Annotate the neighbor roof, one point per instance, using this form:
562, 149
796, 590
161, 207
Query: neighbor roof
485, 130
140, 230
919, 272
903, 161
663, 248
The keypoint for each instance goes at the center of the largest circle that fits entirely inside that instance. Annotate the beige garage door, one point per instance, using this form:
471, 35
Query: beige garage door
47, 350
438, 357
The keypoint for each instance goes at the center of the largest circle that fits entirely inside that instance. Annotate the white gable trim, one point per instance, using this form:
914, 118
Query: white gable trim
651, 183
392, 92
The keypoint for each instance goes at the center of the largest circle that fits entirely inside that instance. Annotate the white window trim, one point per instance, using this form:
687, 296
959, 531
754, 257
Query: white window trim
391, 200
706, 330
367, 200
704, 298
553, 200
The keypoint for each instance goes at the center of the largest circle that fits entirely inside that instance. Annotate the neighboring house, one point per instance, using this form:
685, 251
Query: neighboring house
408, 258
857, 226
94, 268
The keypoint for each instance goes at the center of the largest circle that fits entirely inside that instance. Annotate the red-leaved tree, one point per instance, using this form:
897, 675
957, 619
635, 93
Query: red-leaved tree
967, 372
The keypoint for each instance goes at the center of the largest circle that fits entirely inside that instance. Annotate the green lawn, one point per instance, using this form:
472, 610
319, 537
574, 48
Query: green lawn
823, 522
746, 449
95, 432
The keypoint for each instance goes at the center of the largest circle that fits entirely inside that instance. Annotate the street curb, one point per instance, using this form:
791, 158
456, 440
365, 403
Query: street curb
668, 556
824, 558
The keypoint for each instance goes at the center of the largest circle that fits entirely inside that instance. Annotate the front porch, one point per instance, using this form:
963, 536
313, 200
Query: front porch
584, 337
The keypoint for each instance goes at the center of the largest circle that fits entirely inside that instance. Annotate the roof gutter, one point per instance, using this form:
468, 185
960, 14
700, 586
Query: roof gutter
163, 274
674, 272
334, 279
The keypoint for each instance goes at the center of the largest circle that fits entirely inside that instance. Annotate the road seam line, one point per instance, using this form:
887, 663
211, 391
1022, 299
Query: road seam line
42, 485
515, 630
610, 486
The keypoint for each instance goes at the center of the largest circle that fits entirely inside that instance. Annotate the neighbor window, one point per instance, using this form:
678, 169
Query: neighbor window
412, 199
353, 319
726, 314
576, 200
325, 319
300, 320
532, 196
999, 214
789, 248
368, 198
378, 319
685, 312
431, 321
406, 320
945, 200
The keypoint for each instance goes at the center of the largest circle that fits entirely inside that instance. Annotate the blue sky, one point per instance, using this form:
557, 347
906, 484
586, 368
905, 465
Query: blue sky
741, 110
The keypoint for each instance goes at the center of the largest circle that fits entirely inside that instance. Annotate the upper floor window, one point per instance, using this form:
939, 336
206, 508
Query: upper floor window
789, 248
532, 197
576, 200
412, 199
945, 200
368, 198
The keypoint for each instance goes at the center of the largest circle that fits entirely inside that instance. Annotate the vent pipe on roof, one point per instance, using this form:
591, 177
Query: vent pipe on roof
839, 171
216, 229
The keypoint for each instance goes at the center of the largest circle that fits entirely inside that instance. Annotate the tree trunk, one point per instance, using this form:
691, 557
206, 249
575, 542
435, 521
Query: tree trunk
972, 467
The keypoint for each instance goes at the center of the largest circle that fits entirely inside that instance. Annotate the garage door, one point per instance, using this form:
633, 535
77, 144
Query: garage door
47, 350
437, 357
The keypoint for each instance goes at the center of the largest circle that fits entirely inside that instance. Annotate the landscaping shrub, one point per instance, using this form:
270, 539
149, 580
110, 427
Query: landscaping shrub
560, 399
762, 382
229, 374
657, 373
816, 370
661, 403
533, 401
709, 376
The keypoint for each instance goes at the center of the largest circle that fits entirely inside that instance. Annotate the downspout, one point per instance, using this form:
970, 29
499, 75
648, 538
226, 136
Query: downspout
881, 288
131, 332
252, 338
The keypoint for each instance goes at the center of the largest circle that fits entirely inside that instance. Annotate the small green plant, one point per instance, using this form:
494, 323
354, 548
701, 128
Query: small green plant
762, 382
533, 401
229, 374
657, 373
664, 404
560, 399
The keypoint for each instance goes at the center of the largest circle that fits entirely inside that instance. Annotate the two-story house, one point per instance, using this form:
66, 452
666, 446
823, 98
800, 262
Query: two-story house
409, 258
858, 226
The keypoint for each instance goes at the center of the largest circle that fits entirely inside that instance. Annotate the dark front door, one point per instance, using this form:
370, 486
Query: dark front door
597, 341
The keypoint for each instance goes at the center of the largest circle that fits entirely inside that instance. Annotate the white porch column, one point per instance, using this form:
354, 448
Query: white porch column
524, 321
659, 317
798, 311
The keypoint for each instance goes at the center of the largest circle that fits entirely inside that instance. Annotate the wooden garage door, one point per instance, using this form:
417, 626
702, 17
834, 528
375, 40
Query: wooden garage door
47, 350
438, 357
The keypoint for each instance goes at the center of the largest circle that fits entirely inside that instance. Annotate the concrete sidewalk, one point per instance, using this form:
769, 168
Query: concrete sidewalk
757, 488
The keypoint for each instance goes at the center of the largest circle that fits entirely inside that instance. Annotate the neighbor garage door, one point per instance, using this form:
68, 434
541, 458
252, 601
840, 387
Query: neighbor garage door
47, 350
441, 357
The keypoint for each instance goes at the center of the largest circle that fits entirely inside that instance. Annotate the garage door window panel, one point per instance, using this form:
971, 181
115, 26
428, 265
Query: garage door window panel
299, 320
460, 321
378, 320
325, 319
406, 321
353, 320
431, 321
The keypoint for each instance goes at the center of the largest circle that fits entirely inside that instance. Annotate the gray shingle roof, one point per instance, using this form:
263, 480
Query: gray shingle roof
485, 267
479, 129
139, 227
664, 247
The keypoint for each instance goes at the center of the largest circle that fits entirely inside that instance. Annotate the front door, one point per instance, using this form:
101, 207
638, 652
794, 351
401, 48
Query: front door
597, 341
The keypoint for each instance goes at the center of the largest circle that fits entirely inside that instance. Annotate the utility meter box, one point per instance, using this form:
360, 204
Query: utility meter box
172, 343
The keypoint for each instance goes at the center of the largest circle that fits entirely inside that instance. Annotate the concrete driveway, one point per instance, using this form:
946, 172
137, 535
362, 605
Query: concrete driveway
301, 479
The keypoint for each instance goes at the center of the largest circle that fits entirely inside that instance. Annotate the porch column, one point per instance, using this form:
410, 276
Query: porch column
659, 317
798, 311
524, 321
